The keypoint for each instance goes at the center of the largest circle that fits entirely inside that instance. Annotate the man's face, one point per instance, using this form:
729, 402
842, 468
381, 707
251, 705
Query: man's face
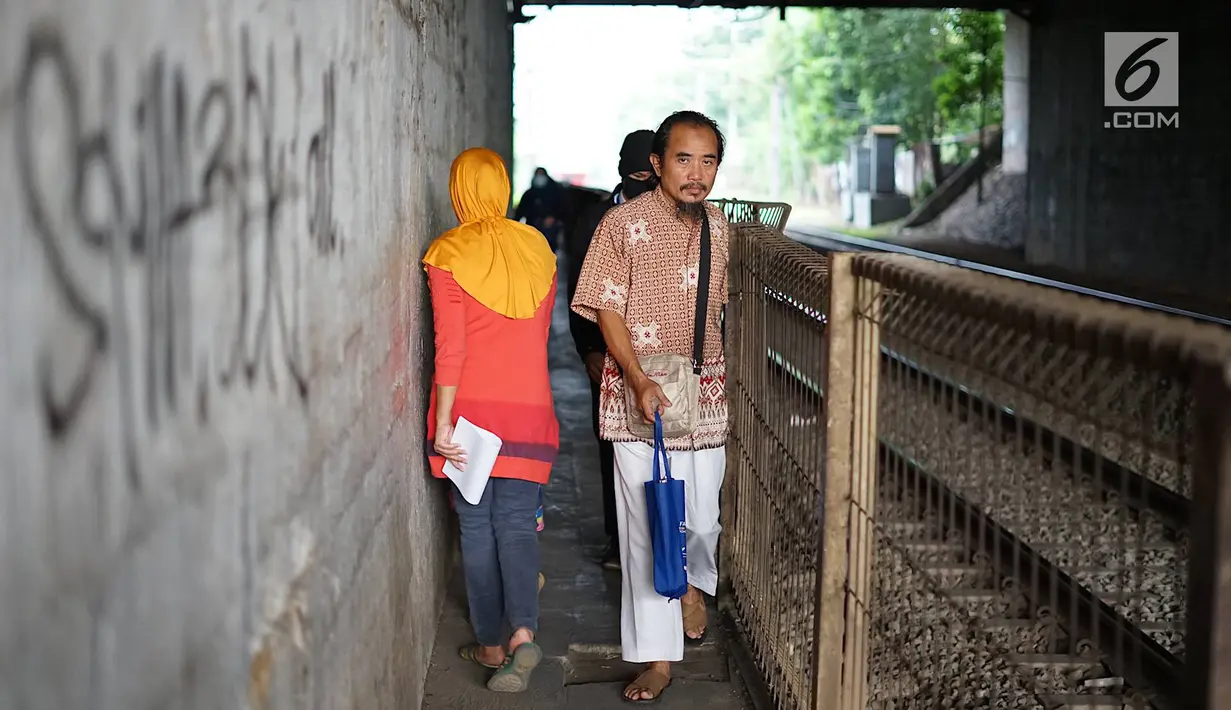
688, 169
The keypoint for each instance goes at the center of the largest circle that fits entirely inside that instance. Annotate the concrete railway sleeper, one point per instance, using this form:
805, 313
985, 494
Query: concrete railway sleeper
955, 623
1131, 558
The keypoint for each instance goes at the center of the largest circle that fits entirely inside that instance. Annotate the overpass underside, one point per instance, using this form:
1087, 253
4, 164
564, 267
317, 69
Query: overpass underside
1127, 196
216, 349
1025, 5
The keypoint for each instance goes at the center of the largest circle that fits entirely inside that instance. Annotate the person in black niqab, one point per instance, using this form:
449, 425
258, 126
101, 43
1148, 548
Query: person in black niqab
636, 179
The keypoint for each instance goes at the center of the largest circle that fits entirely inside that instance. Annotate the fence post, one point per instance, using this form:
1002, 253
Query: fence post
864, 469
734, 322
839, 393
1208, 635
745, 347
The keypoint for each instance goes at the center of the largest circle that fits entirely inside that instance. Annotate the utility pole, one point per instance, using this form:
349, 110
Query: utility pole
775, 116
731, 89
797, 158
985, 40
700, 88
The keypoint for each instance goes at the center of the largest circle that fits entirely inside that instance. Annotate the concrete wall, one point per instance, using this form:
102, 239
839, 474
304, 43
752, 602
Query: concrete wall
1149, 206
212, 344
1016, 124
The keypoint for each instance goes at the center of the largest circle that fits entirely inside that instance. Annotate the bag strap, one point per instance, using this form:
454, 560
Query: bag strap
660, 449
703, 294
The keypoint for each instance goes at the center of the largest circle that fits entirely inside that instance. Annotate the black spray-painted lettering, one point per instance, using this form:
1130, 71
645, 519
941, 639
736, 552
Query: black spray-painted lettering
215, 152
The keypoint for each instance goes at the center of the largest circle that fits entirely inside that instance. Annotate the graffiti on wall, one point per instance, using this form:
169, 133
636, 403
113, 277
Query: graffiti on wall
151, 177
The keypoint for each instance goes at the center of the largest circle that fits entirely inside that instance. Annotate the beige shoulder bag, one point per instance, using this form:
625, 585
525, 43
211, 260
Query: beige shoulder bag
677, 375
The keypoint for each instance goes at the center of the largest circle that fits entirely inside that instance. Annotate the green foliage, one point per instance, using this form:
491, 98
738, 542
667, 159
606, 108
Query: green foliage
825, 105
973, 61
918, 69
956, 153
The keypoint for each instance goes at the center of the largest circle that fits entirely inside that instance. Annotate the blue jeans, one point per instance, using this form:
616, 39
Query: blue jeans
500, 558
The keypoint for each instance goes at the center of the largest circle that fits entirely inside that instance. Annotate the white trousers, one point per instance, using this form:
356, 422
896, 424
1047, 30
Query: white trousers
652, 626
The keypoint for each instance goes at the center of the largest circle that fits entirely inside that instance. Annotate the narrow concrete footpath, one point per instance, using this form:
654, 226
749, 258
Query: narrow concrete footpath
579, 620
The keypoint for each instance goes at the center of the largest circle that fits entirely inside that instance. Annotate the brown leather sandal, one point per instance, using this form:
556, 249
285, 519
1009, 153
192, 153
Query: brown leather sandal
651, 682
696, 618
471, 653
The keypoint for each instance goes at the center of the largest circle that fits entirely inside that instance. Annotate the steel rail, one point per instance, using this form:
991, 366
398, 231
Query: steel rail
827, 240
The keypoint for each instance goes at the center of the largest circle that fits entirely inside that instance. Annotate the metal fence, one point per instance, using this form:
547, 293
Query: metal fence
771, 214
951, 489
773, 531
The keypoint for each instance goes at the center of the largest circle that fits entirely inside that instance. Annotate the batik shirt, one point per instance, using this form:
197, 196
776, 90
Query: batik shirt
643, 264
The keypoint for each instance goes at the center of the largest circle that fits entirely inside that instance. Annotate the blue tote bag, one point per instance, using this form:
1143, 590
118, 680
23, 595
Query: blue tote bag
664, 496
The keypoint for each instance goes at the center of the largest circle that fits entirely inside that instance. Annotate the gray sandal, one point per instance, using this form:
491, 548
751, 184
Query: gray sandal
514, 675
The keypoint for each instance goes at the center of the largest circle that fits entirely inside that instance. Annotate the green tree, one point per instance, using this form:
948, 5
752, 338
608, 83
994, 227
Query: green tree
849, 67
922, 70
970, 86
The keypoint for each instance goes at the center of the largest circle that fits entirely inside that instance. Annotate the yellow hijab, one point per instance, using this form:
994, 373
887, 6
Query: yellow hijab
505, 265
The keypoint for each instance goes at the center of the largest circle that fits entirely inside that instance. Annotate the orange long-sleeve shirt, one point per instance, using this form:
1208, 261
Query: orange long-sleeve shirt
499, 366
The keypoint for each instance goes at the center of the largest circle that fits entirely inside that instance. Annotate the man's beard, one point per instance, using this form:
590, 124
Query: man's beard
692, 211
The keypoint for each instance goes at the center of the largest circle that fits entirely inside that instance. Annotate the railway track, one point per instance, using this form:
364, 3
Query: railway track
826, 240
1066, 584
974, 609
1063, 570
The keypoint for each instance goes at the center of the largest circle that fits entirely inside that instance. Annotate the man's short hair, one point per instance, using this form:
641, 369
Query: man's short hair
688, 118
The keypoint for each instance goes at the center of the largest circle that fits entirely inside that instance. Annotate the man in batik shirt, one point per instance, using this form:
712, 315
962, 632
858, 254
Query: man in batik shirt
639, 282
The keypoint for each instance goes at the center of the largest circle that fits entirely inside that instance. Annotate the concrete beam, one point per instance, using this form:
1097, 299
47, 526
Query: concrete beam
1022, 7
1144, 206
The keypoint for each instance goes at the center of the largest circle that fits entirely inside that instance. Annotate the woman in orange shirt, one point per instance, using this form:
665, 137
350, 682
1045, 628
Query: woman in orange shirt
493, 284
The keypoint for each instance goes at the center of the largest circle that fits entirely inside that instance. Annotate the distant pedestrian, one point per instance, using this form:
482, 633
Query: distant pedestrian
543, 207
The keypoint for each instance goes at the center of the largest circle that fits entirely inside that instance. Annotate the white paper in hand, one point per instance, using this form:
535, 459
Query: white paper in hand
481, 447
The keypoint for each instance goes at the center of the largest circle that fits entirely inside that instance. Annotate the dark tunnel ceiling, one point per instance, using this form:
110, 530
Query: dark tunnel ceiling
1020, 6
